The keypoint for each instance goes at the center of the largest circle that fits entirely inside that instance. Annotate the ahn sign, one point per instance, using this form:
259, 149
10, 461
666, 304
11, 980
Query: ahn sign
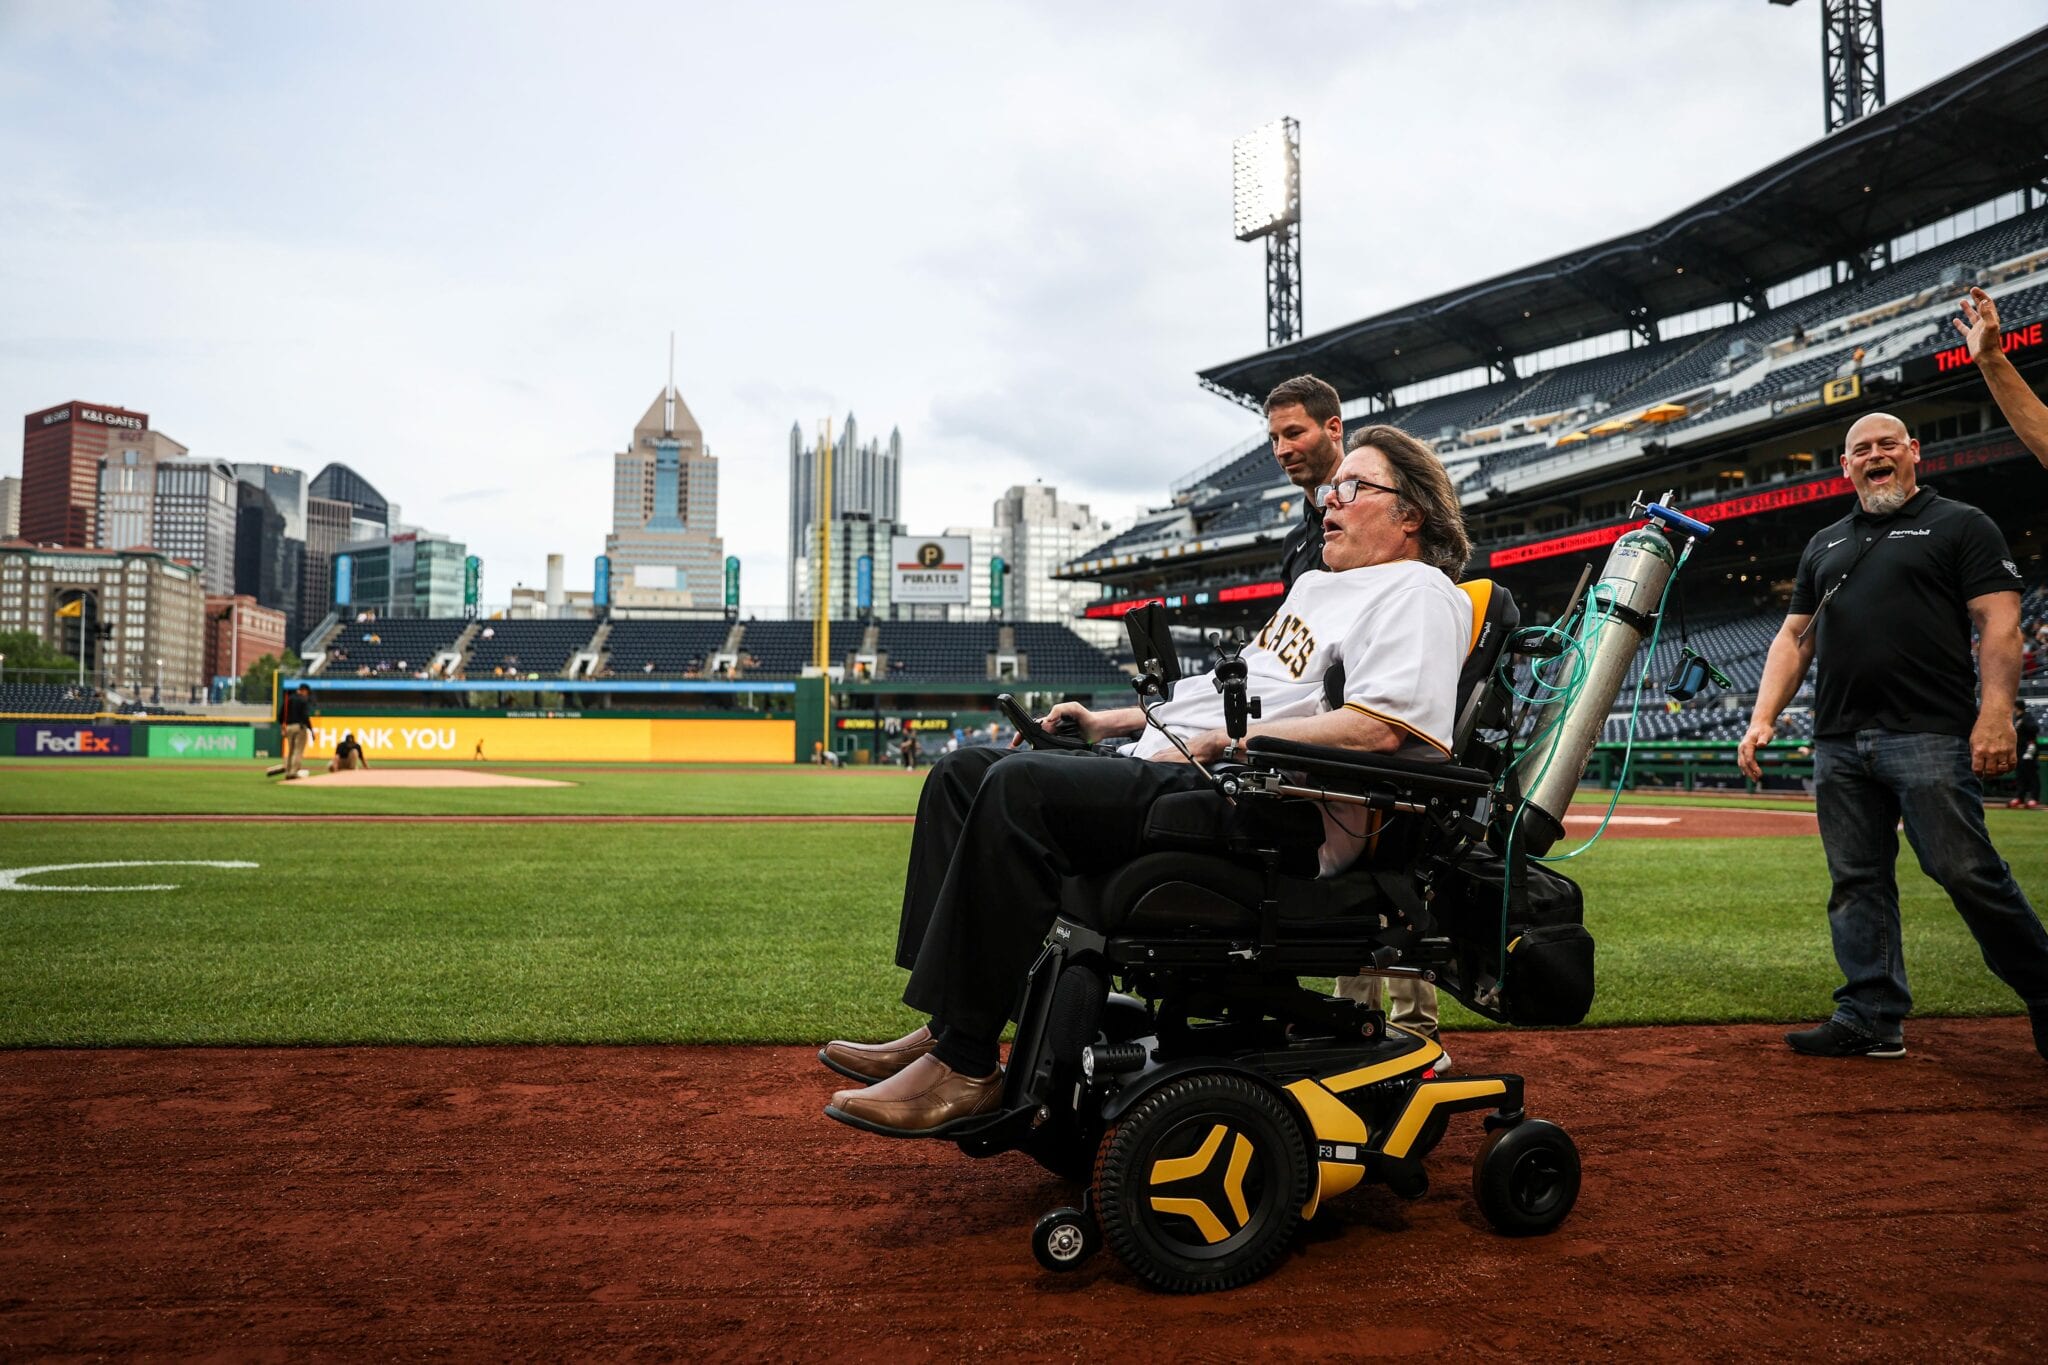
199, 741
71, 741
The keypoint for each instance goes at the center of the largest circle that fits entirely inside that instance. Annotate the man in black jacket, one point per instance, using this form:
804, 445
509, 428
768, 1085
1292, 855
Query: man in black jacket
1306, 424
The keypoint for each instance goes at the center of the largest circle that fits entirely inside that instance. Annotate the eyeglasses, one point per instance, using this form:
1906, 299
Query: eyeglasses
1345, 491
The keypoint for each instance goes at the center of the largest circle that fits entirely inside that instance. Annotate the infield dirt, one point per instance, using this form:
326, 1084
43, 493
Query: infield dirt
656, 1202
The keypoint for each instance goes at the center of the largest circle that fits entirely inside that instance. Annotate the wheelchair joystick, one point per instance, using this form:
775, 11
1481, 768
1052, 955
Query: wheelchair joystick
1240, 708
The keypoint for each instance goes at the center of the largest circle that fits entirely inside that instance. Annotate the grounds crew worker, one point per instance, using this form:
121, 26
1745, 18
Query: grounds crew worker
298, 728
348, 755
1886, 599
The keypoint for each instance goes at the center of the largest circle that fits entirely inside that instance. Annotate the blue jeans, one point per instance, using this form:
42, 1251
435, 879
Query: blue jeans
1863, 787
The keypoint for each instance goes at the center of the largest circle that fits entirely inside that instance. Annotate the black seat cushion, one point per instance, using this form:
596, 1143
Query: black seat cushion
1203, 822
1178, 893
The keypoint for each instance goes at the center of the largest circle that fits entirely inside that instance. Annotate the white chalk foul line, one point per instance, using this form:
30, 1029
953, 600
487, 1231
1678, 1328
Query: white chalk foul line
1623, 819
11, 877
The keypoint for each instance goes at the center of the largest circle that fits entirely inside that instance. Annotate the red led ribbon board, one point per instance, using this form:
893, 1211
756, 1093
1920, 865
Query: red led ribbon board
1750, 504
2029, 336
1128, 605
1728, 509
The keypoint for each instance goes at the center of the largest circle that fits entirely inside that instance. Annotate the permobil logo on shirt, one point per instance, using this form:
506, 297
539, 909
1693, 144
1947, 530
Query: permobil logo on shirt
71, 741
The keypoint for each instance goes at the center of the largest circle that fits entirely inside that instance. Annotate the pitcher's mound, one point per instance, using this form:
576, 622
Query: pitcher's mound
423, 777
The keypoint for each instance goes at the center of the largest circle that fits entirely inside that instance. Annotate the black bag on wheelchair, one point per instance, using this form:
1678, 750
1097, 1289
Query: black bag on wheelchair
1549, 978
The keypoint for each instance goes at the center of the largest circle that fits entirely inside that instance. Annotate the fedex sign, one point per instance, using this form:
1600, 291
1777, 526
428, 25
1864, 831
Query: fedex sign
71, 741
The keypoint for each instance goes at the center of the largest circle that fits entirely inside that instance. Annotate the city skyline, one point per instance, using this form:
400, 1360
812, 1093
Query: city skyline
1018, 249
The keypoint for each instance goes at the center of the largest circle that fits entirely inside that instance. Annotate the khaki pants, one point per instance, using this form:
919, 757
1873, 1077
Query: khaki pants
1409, 1003
295, 737
342, 765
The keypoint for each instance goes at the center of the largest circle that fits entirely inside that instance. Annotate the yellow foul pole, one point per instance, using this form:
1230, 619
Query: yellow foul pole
821, 618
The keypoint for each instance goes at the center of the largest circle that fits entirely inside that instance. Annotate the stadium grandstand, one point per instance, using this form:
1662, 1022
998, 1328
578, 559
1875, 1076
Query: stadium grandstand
908, 656
1719, 354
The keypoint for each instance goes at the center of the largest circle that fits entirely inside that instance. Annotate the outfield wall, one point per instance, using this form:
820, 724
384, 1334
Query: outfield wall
583, 739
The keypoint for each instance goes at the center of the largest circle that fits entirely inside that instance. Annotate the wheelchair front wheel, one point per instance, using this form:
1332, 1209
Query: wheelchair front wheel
1526, 1178
1200, 1186
1064, 1238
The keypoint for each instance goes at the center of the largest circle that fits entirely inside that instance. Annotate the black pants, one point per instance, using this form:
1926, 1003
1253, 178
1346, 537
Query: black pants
2029, 776
992, 842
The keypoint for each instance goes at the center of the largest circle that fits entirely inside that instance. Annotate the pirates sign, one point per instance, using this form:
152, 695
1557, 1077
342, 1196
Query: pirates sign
930, 568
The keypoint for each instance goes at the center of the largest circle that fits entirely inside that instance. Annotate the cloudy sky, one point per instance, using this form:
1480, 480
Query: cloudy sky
446, 243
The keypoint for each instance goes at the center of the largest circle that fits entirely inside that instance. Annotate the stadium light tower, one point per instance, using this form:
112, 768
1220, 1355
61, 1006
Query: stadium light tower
1265, 169
1852, 58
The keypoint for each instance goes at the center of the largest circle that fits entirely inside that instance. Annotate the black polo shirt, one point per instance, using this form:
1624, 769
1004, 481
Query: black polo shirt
1303, 548
1892, 647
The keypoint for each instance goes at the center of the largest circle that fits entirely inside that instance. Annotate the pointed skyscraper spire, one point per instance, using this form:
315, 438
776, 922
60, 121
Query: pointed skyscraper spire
668, 410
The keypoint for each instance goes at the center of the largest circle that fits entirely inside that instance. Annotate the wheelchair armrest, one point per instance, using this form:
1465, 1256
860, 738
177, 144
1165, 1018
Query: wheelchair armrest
1352, 766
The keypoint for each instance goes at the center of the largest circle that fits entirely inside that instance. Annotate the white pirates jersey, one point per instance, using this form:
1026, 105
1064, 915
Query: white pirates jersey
1401, 631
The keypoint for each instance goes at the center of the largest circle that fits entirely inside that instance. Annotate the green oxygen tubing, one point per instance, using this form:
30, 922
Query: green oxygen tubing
1576, 688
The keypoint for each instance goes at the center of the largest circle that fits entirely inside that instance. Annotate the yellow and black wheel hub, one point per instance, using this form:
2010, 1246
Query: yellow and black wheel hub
1201, 1184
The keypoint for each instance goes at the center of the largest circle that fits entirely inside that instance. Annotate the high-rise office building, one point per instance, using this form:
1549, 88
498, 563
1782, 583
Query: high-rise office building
1039, 534
854, 538
196, 518
328, 522
665, 511
61, 450
986, 545
287, 489
10, 507
867, 487
273, 568
267, 561
126, 513
370, 516
412, 573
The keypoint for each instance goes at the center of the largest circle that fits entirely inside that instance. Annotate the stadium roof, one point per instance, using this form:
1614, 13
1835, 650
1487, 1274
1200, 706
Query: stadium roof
1977, 133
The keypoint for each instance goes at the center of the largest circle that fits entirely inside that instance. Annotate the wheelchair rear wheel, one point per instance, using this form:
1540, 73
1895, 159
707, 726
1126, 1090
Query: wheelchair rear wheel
1200, 1186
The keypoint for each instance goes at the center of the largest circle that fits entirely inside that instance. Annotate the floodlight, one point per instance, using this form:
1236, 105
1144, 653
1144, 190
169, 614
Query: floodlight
1265, 169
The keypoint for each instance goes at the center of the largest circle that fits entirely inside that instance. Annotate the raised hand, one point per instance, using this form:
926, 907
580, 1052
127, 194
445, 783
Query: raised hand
1978, 325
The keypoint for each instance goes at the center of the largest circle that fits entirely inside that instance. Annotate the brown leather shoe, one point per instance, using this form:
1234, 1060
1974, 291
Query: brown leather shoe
919, 1101
876, 1061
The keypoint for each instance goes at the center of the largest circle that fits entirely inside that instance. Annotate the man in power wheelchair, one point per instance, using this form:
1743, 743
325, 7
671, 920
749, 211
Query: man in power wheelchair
1217, 1112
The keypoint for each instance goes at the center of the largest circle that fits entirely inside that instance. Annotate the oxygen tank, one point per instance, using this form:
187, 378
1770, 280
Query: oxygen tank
1548, 772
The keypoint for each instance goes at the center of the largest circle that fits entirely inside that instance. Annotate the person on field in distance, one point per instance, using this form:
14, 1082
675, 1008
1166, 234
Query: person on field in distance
1884, 602
2028, 736
982, 892
348, 755
2024, 411
297, 721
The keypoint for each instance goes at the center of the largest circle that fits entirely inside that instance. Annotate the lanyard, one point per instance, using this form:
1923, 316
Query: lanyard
1829, 596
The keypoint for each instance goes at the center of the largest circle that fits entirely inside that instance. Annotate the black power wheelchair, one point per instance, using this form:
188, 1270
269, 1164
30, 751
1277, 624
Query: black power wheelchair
1213, 1103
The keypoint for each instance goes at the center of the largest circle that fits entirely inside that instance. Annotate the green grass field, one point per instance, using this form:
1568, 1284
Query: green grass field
537, 933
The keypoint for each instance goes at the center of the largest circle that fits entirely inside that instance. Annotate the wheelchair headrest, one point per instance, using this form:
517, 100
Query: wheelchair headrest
1494, 616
